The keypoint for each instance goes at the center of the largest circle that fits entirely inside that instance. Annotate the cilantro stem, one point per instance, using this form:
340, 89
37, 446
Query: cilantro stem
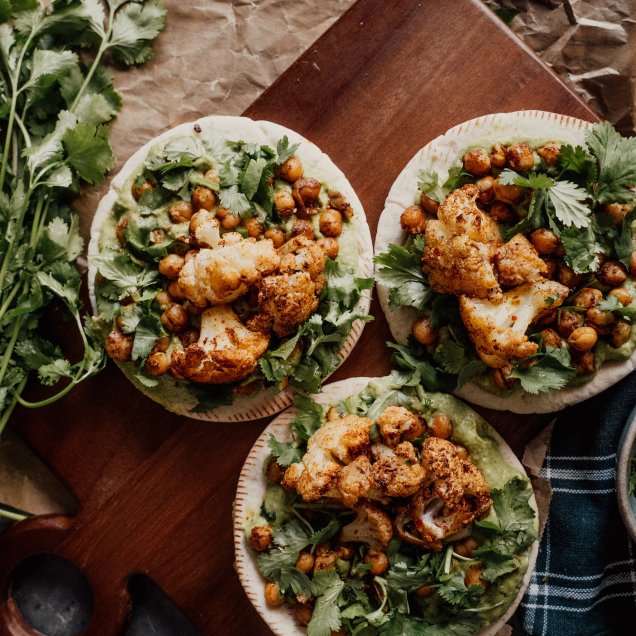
9, 253
9, 410
10, 347
7, 302
54, 398
12, 516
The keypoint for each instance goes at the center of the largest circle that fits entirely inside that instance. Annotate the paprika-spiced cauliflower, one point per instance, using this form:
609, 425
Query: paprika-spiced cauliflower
229, 261
505, 261
382, 509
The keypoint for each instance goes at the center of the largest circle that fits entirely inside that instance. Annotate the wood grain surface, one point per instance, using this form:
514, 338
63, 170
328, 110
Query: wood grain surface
156, 490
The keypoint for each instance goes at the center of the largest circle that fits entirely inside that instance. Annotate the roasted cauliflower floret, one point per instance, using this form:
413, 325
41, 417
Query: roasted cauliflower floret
336, 443
226, 351
301, 254
355, 481
371, 526
284, 302
207, 231
518, 262
399, 474
220, 275
397, 423
499, 330
455, 493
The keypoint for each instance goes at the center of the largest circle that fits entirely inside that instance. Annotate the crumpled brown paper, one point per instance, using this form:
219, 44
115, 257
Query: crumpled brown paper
591, 44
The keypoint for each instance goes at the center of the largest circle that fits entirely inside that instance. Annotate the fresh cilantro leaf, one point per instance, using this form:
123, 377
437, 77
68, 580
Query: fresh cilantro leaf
457, 178
60, 240
496, 562
284, 452
402, 576
567, 199
326, 616
252, 177
89, 152
428, 183
55, 371
308, 419
553, 371
611, 303
581, 248
455, 592
575, 159
624, 242
421, 369
533, 180
146, 333
234, 200
48, 63
284, 151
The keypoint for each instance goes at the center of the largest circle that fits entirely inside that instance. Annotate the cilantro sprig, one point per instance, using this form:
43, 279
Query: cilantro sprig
54, 107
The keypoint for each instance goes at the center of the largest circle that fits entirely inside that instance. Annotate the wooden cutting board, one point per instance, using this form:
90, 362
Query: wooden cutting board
156, 490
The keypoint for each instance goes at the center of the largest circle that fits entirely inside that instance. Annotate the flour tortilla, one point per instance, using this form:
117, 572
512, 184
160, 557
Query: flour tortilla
251, 490
317, 164
440, 155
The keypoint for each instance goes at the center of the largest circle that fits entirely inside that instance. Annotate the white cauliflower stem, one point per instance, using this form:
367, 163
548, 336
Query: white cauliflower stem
372, 526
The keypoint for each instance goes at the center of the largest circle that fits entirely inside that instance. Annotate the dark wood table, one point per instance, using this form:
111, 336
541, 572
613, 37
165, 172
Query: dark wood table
156, 490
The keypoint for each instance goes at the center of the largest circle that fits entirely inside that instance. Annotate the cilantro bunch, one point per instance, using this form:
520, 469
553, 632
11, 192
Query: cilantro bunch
55, 101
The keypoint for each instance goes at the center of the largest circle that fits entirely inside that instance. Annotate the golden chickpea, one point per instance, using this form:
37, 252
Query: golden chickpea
545, 241
547, 318
552, 265
550, 153
466, 547
440, 425
203, 198
550, 338
423, 332
486, 189
520, 157
498, 156
333, 414
473, 576
192, 309
254, 227
118, 346
119, 230
476, 162
378, 561
612, 273
261, 538
617, 211
501, 212
306, 190
624, 297
346, 551
620, 333
162, 344
329, 246
221, 213
303, 613
566, 276
138, 190
305, 562
180, 212
302, 228
189, 337
274, 471
583, 338
567, 322
325, 561
284, 202
412, 220
171, 265
163, 299
231, 221
588, 297
175, 290
276, 236
272, 594
583, 363
601, 320
429, 205
424, 591
175, 318
462, 451
331, 222
501, 377
508, 193
632, 263
157, 363
290, 170
120, 323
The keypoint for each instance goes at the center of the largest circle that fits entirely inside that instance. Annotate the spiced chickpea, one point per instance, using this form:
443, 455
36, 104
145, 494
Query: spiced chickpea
428, 205
424, 591
378, 561
583, 363
583, 338
329, 246
175, 318
303, 613
423, 331
440, 425
331, 222
413, 220
476, 162
261, 538
550, 338
284, 202
175, 290
302, 227
306, 190
550, 153
272, 594
291, 170
620, 333
275, 235
498, 156
189, 337
274, 471
501, 212
254, 227
473, 577
588, 297
221, 213
346, 551
157, 363
466, 547
623, 296
139, 189
520, 157
547, 318
305, 561
120, 323
566, 276
545, 241
119, 230
552, 265
501, 377
508, 193
203, 198
231, 221
180, 212
617, 211
486, 189
118, 346
163, 299
612, 273
601, 320
171, 265
567, 322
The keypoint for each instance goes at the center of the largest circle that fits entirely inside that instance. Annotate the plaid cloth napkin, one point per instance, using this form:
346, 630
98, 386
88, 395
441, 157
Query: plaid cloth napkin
585, 578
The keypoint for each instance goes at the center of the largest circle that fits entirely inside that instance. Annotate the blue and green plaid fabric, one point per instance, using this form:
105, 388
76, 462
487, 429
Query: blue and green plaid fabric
585, 578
